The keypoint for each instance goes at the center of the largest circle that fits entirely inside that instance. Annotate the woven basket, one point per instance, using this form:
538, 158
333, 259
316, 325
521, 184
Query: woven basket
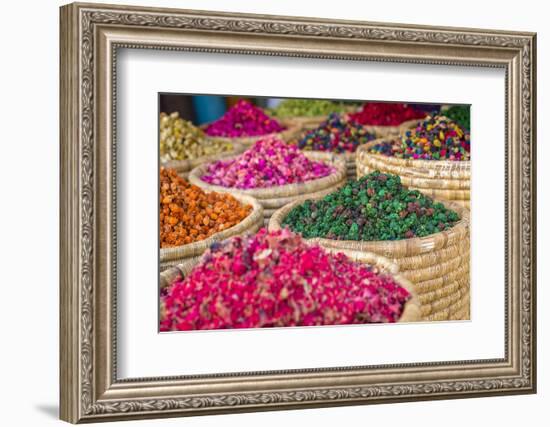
183, 167
438, 179
438, 265
303, 123
351, 168
411, 312
252, 223
274, 198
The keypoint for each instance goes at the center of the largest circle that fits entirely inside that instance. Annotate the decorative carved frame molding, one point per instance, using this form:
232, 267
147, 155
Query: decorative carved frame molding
90, 37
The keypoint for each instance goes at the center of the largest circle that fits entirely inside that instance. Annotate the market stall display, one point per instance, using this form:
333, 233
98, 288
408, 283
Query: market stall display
272, 172
274, 279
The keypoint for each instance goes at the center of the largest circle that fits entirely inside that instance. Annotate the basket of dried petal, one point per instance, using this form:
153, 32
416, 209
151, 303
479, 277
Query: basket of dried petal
429, 240
274, 173
191, 219
279, 280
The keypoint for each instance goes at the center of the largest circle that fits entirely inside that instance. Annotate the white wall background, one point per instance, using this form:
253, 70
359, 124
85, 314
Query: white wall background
29, 170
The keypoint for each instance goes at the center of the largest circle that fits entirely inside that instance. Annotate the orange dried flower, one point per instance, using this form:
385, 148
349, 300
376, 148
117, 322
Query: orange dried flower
188, 214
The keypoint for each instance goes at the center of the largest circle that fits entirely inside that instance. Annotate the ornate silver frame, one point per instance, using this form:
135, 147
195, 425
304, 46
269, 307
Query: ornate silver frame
90, 36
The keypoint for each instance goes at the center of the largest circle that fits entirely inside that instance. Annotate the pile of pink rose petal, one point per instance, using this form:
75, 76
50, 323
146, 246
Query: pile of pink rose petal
242, 120
269, 162
275, 279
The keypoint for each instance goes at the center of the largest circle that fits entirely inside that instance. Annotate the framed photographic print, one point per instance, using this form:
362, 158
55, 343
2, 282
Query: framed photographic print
267, 212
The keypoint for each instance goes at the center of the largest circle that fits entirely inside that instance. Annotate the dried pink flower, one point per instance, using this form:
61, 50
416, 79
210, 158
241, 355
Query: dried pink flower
274, 279
269, 162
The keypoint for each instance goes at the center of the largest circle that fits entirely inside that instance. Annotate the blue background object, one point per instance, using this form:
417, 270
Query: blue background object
208, 108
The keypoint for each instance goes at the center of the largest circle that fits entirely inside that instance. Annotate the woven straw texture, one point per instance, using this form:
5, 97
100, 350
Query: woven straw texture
304, 123
349, 160
275, 197
411, 313
252, 223
438, 265
183, 167
439, 179
351, 169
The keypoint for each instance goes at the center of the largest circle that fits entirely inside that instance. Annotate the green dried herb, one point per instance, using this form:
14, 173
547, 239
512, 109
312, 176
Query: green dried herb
181, 140
376, 207
459, 114
307, 108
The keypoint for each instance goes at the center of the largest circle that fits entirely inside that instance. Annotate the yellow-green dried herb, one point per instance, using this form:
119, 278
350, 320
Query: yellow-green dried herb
181, 140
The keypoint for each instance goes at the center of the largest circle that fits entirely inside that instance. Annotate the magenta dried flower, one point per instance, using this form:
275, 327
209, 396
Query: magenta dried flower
243, 119
275, 279
269, 162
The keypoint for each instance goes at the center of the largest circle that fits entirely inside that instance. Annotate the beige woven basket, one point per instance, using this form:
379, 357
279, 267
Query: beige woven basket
411, 312
252, 223
303, 123
439, 179
438, 265
183, 167
275, 197
351, 168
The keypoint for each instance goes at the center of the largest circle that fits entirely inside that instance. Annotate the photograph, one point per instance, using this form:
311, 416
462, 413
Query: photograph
277, 212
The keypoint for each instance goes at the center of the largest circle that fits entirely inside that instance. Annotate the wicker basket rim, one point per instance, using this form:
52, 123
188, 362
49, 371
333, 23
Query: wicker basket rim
409, 179
428, 164
188, 164
346, 110
347, 156
402, 126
